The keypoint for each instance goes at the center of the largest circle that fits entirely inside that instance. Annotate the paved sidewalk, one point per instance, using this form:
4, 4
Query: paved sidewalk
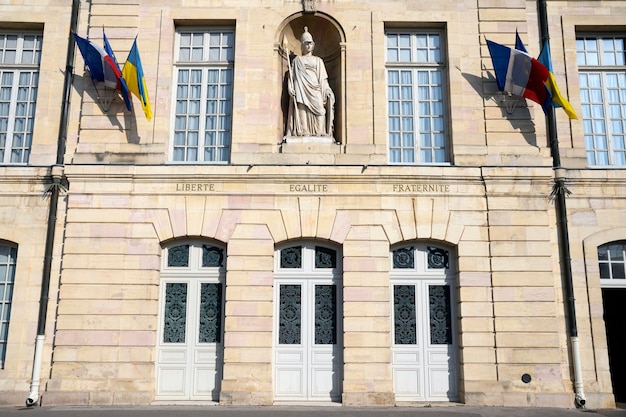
301, 411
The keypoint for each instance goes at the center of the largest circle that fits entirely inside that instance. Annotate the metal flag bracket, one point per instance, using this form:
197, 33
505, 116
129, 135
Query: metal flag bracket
508, 101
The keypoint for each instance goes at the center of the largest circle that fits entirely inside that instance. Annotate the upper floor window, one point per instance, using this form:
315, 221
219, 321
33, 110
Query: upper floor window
203, 75
612, 263
20, 54
8, 257
602, 73
416, 105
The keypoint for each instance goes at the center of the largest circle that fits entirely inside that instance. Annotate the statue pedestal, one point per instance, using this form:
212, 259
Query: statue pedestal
308, 139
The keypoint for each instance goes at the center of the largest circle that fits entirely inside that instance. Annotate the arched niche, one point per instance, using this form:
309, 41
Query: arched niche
329, 40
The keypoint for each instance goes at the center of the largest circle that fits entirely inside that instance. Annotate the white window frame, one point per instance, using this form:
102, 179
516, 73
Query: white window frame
402, 125
611, 281
605, 135
19, 79
216, 138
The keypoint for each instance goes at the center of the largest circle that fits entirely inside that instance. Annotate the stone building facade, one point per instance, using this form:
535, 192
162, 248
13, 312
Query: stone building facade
412, 257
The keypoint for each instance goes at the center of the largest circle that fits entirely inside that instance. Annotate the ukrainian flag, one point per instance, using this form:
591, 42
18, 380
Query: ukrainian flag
557, 98
133, 74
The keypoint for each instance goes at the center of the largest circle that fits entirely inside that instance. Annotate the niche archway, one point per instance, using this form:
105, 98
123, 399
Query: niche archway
329, 45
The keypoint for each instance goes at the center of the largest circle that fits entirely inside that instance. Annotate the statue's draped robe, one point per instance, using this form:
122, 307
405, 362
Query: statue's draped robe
314, 99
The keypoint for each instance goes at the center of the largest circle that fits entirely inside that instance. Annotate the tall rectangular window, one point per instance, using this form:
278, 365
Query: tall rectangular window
204, 94
416, 104
602, 75
8, 257
20, 54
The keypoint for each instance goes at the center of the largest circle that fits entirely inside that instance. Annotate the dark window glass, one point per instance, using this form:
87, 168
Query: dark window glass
440, 317
325, 315
405, 320
290, 322
210, 328
325, 258
291, 257
175, 313
404, 258
178, 256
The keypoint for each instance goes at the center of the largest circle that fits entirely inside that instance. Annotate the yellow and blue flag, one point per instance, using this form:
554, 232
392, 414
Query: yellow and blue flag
133, 74
557, 99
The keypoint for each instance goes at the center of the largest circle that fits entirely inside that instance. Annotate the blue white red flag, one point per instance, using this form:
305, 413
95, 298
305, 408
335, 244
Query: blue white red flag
100, 64
122, 86
520, 74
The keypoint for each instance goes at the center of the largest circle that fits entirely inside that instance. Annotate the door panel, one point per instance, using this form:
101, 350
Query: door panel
189, 360
424, 355
306, 359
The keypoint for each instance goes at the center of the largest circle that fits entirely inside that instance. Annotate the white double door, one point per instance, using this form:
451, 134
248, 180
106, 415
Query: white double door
190, 350
307, 341
424, 346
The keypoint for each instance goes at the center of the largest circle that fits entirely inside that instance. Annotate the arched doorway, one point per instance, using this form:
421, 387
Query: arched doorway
424, 348
307, 323
191, 313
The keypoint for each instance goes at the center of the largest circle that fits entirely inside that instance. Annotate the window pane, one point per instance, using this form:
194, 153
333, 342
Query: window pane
612, 260
618, 271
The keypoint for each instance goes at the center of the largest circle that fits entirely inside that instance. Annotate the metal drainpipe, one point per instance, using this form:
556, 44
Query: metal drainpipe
54, 189
558, 193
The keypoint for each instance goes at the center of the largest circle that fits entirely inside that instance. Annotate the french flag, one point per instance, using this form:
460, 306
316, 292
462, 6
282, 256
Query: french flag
520, 74
103, 66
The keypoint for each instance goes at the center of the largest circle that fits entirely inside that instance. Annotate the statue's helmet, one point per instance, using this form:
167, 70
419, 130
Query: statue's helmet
306, 36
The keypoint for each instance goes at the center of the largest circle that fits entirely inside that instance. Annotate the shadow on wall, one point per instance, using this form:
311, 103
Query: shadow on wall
513, 108
109, 103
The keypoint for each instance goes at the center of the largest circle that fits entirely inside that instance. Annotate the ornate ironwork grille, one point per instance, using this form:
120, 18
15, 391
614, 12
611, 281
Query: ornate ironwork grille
325, 258
212, 256
404, 258
290, 318
405, 322
440, 317
175, 317
291, 257
210, 313
437, 258
178, 256
325, 315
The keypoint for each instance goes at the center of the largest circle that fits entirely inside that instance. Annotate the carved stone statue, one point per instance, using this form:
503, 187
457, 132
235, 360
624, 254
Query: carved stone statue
311, 100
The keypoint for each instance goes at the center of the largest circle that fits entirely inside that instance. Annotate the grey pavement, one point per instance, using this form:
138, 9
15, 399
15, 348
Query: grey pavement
301, 411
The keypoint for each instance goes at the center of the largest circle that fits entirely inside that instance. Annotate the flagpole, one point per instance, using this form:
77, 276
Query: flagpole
559, 192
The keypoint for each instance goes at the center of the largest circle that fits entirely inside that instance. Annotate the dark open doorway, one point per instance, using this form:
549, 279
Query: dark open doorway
614, 300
